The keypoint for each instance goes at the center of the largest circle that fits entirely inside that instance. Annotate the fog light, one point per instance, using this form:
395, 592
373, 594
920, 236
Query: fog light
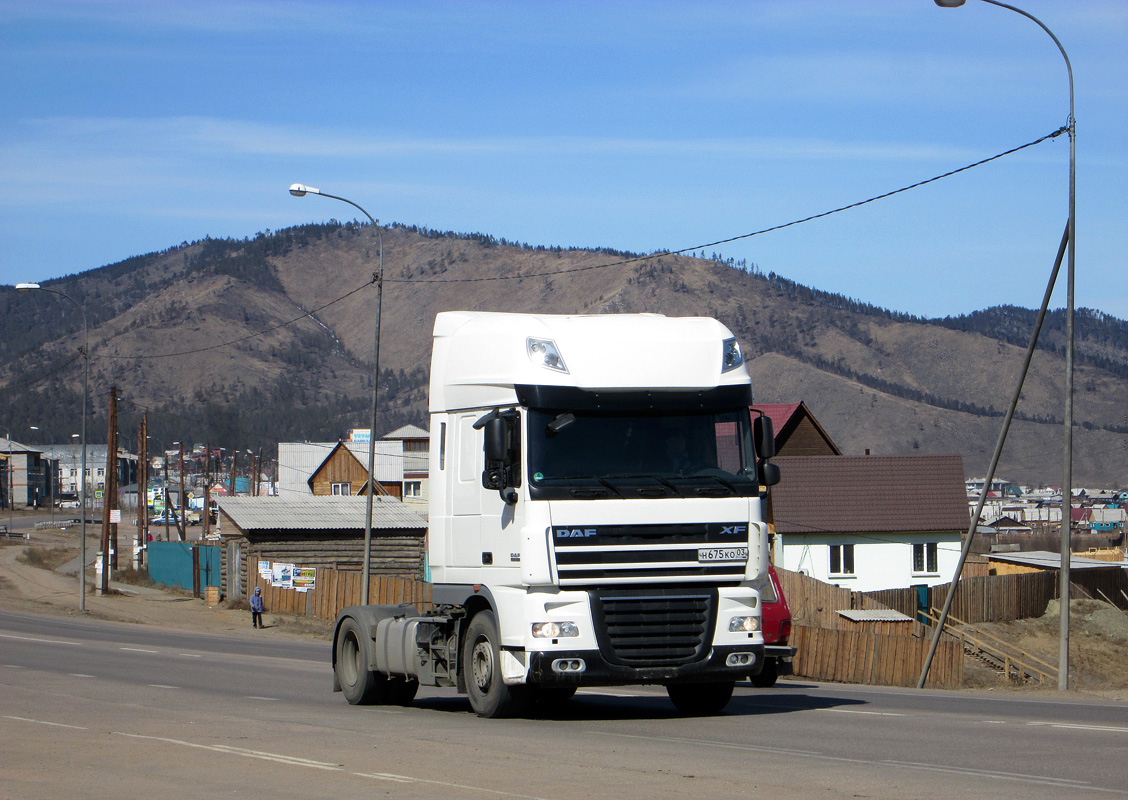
744, 624
555, 630
569, 665
740, 659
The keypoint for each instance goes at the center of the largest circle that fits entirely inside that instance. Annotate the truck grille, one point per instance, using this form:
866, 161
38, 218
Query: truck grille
653, 628
606, 554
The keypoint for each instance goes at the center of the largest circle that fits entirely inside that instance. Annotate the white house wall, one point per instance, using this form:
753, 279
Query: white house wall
881, 561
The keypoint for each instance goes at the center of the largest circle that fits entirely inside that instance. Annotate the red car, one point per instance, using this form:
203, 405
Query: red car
776, 621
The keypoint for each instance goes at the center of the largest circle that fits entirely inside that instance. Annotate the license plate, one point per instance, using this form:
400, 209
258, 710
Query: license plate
722, 554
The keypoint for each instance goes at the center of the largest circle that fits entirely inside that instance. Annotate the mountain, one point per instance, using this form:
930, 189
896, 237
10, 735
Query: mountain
244, 343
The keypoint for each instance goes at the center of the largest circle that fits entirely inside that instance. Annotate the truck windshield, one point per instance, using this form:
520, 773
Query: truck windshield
621, 452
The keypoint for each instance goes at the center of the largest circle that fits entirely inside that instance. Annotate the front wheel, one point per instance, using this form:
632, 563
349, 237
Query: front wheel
360, 685
481, 659
700, 698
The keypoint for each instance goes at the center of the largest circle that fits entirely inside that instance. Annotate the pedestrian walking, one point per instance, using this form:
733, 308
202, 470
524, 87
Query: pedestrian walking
256, 608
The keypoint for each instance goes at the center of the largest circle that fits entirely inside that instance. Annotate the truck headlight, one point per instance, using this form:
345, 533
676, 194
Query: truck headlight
555, 630
744, 624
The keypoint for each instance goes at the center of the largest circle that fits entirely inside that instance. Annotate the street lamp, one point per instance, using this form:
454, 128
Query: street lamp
300, 190
1067, 479
24, 288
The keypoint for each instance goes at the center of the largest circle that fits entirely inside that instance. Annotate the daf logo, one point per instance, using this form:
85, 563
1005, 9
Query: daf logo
734, 530
575, 533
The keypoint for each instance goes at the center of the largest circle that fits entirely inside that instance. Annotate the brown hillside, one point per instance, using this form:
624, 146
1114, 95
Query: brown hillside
875, 380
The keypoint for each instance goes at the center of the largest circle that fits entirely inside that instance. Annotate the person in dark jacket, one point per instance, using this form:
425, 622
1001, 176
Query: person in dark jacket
256, 608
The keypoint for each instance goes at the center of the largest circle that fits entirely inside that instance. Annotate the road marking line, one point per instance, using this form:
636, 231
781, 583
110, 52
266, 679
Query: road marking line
138, 650
239, 751
868, 713
256, 697
191, 655
13, 666
163, 686
80, 675
35, 639
305, 762
387, 776
1036, 779
45, 722
1079, 727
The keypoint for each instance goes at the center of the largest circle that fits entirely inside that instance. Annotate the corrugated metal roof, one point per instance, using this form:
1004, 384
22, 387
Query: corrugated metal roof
852, 494
1044, 559
408, 432
317, 513
874, 615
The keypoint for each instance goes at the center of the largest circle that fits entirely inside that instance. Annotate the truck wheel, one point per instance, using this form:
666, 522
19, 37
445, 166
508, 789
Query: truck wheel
481, 660
360, 685
700, 698
767, 676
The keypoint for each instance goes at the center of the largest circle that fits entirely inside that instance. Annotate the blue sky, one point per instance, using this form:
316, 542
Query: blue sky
128, 127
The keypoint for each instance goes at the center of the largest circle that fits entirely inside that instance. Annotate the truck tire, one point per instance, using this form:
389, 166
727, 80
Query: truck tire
481, 660
360, 685
700, 698
767, 676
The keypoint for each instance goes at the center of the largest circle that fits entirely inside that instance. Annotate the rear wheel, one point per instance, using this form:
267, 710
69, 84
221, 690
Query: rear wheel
767, 676
360, 685
481, 659
700, 698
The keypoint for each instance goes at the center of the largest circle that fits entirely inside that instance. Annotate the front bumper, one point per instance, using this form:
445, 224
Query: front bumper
600, 672
782, 655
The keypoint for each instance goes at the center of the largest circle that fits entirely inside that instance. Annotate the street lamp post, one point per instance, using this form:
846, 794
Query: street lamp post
1067, 479
300, 190
24, 288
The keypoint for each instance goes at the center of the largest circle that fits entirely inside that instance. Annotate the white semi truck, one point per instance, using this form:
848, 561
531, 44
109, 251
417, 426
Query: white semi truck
595, 518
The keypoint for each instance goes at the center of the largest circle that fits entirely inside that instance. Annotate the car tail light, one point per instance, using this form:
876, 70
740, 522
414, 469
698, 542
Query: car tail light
784, 631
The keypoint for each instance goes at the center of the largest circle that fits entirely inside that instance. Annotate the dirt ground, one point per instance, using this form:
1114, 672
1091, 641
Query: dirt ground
1098, 630
26, 587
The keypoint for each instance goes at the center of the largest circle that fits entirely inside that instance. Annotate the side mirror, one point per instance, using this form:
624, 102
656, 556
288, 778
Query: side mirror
496, 439
764, 437
768, 474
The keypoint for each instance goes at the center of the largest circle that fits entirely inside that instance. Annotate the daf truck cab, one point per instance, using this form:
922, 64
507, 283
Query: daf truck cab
594, 517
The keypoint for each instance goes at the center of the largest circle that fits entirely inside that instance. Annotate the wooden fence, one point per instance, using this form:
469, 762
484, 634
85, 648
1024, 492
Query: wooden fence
990, 598
859, 656
334, 589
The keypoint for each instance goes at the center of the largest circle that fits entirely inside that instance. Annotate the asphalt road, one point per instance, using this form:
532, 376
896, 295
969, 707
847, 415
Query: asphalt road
96, 709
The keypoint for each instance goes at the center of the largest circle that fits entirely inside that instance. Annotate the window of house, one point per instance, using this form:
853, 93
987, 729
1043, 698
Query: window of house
413, 488
341, 489
925, 558
842, 559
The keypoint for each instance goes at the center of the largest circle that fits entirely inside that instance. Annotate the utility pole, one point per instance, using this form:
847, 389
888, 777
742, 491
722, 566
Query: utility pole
180, 521
108, 539
167, 502
207, 489
258, 471
142, 489
234, 460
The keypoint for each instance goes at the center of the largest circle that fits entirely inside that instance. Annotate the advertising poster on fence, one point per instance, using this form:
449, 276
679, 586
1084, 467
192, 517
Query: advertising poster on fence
305, 578
283, 576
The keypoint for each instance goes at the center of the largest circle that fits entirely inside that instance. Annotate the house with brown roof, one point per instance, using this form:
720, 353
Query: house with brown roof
797, 432
870, 522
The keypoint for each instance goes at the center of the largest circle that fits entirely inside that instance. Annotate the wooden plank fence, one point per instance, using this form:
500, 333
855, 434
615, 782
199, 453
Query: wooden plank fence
859, 656
334, 589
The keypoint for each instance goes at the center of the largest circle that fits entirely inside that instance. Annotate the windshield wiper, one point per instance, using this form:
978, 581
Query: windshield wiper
651, 476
